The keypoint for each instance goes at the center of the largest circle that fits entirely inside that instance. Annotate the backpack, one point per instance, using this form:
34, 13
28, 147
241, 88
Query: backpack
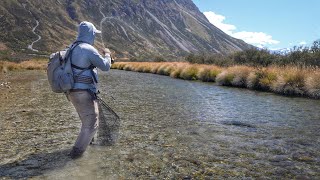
59, 70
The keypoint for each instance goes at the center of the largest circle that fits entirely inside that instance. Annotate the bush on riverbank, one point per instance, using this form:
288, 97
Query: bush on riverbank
297, 56
286, 80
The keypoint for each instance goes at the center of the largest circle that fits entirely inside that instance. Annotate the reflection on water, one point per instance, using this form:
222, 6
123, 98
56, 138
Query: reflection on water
172, 129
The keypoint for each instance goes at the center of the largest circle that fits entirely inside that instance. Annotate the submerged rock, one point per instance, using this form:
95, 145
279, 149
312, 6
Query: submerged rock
238, 123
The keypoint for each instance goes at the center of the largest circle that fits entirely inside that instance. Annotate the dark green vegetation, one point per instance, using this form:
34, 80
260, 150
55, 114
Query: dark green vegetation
133, 29
297, 56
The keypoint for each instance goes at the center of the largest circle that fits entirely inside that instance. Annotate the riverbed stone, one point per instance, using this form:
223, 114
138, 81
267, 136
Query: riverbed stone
279, 158
302, 177
303, 156
283, 163
239, 124
187, 178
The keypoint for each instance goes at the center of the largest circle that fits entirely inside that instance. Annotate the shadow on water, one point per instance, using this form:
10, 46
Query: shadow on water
35, 165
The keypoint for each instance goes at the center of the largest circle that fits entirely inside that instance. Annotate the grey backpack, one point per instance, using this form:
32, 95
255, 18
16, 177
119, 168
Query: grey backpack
59, 70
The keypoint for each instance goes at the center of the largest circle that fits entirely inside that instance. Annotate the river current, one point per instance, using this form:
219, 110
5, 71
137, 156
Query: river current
170, 128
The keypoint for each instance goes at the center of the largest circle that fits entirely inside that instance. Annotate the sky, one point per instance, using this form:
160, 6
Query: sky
272, 24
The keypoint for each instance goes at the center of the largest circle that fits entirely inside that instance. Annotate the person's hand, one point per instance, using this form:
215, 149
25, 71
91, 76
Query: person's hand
106, 51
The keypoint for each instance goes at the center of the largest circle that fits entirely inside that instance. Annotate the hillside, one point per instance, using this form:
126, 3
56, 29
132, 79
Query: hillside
133, 28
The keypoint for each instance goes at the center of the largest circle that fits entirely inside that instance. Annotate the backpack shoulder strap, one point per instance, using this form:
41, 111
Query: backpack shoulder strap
74, 45
91, 67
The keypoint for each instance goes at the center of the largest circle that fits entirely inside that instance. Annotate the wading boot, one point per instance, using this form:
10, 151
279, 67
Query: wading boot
75, 153
92, 141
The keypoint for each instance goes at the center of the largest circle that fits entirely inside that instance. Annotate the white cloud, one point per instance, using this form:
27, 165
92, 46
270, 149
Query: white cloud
259, 39
303, 43
217, 20
255, 38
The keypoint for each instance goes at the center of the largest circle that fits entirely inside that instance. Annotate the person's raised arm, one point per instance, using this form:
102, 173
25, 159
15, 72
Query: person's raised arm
103, 63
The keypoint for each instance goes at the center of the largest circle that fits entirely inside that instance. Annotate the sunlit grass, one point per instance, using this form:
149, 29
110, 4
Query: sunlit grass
25, 65
165, 69
189, 73
291, 81
262, 78
312, 84
287, 80
234, 76
208, 73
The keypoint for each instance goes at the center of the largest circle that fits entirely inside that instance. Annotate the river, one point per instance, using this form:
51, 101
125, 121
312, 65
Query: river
170, 128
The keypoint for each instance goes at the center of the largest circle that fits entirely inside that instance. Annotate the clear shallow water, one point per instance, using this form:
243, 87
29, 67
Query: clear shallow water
173, 129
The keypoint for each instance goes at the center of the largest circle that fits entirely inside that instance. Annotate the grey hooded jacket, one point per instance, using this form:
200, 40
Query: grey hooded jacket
85, 55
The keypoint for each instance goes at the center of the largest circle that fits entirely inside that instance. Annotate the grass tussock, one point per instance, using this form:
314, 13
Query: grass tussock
234, 76
289, 80
6, 66
189, 73
312, 84
262, 78
208, 73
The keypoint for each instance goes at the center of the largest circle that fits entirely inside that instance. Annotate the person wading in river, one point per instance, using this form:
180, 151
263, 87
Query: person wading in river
85, 60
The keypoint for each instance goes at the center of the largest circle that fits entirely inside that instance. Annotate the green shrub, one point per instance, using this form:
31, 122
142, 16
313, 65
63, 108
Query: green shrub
159, 59
297, 56
254, 57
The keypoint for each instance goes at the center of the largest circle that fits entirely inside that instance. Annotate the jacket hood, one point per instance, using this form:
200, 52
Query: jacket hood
87, 32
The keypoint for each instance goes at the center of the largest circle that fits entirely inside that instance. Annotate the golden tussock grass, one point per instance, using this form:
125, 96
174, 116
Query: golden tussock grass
290, 81
287, 80
189, 73
25, 65
234, 76
208, 73
312, 84
262, 78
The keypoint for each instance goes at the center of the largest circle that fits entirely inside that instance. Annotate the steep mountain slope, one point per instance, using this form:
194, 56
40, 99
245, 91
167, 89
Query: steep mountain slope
133, 28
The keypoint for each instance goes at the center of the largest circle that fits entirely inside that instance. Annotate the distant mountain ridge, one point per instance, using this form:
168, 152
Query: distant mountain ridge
133, 28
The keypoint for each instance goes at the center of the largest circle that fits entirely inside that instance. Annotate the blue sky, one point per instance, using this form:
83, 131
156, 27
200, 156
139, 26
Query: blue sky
274, 24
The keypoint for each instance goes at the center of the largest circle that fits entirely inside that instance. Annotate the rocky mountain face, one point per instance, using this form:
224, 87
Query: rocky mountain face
133, 28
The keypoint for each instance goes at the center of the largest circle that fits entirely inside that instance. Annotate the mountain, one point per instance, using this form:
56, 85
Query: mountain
133, 28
